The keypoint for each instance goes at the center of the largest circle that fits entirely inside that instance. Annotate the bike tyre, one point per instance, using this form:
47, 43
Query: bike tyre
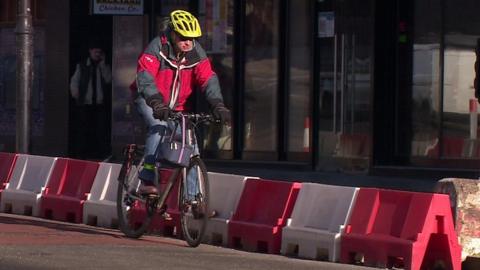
128, 178
193, 230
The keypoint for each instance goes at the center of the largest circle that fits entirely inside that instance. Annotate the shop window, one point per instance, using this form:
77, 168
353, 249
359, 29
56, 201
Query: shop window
460, 120
39, 10
443, 123
426, 84
8, 11
261, 77
300, 79
217, 26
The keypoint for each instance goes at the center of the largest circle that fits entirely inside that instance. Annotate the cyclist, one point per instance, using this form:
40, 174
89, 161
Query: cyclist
168, 71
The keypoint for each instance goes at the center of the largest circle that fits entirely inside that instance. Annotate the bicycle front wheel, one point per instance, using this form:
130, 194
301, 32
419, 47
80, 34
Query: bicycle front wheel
194, 202
132, 221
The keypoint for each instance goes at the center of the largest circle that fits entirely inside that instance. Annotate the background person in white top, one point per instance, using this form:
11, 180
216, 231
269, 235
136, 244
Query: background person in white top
90, 88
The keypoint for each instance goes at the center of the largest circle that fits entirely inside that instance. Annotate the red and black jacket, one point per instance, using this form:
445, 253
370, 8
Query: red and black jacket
161, 75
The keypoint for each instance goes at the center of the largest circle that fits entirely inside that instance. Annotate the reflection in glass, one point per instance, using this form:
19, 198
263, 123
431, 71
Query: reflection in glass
261, 76
128, 42
300, 78
345, 72
460, 44
450, 116
426, 79
217, 39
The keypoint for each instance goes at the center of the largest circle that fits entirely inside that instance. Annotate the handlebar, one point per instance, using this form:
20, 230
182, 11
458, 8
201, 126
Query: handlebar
195, 117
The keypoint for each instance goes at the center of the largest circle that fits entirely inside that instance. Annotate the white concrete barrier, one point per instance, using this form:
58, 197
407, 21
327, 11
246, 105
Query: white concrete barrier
225, 191
100, 207
23, 191
317, 221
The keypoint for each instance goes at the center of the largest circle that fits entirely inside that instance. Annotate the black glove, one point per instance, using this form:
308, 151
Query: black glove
160, 110
220, 112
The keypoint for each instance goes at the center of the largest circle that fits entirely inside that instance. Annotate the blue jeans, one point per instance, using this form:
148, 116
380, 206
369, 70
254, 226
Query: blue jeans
155, 134
154, 126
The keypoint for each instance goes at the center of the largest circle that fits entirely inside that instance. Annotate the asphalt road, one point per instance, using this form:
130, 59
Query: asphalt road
33, 243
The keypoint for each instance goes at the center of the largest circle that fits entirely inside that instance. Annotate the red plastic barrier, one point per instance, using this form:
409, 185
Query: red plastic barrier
262, 212
67, 190
7, 163
402, 229
159, 224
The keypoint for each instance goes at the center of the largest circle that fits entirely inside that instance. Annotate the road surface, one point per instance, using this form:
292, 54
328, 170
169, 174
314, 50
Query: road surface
33, 243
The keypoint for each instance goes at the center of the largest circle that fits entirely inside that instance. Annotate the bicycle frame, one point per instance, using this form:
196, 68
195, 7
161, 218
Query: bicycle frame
191, 140
192, 195
168, 188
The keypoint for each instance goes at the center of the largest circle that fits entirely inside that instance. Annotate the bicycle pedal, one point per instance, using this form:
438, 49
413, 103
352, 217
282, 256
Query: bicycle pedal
166, 216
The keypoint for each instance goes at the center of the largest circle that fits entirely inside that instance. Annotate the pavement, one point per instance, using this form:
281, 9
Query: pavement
395, 178
281, 173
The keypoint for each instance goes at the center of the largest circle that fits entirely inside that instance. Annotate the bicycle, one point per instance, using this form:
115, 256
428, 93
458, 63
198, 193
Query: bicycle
193, 211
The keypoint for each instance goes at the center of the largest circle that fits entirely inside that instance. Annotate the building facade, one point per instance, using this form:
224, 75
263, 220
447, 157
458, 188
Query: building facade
374, 86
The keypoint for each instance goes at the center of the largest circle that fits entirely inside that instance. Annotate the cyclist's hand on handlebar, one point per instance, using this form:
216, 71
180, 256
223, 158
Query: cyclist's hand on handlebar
160, 110
220, 112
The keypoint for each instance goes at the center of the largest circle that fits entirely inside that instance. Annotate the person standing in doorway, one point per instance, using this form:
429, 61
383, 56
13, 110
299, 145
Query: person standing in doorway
90, 88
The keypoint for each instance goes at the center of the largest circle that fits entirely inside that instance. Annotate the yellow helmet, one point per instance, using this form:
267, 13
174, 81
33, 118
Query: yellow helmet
185, 24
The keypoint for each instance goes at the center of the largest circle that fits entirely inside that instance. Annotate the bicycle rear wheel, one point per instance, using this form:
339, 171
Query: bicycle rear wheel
194, 202
132, 223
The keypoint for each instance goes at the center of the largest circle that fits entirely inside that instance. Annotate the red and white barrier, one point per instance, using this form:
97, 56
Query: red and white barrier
317, 221
262, 212
411, 230
100, 207
7, 163
384, 227
22, 193
67, 190
225, 191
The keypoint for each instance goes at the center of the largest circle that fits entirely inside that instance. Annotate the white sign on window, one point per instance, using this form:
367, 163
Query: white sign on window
117, 7
326, 24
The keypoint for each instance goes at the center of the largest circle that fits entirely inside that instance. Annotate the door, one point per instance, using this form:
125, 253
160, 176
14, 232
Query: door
343, 64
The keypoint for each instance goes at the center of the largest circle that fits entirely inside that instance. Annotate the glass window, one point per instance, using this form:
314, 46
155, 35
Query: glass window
40, 10
443, 125
127, 43
216, 19
459, 130
344, 71
426, 79
8, 11
261, 75
300, 81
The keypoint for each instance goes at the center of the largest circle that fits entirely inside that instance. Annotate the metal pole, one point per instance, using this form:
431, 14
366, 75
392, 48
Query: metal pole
24, 40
